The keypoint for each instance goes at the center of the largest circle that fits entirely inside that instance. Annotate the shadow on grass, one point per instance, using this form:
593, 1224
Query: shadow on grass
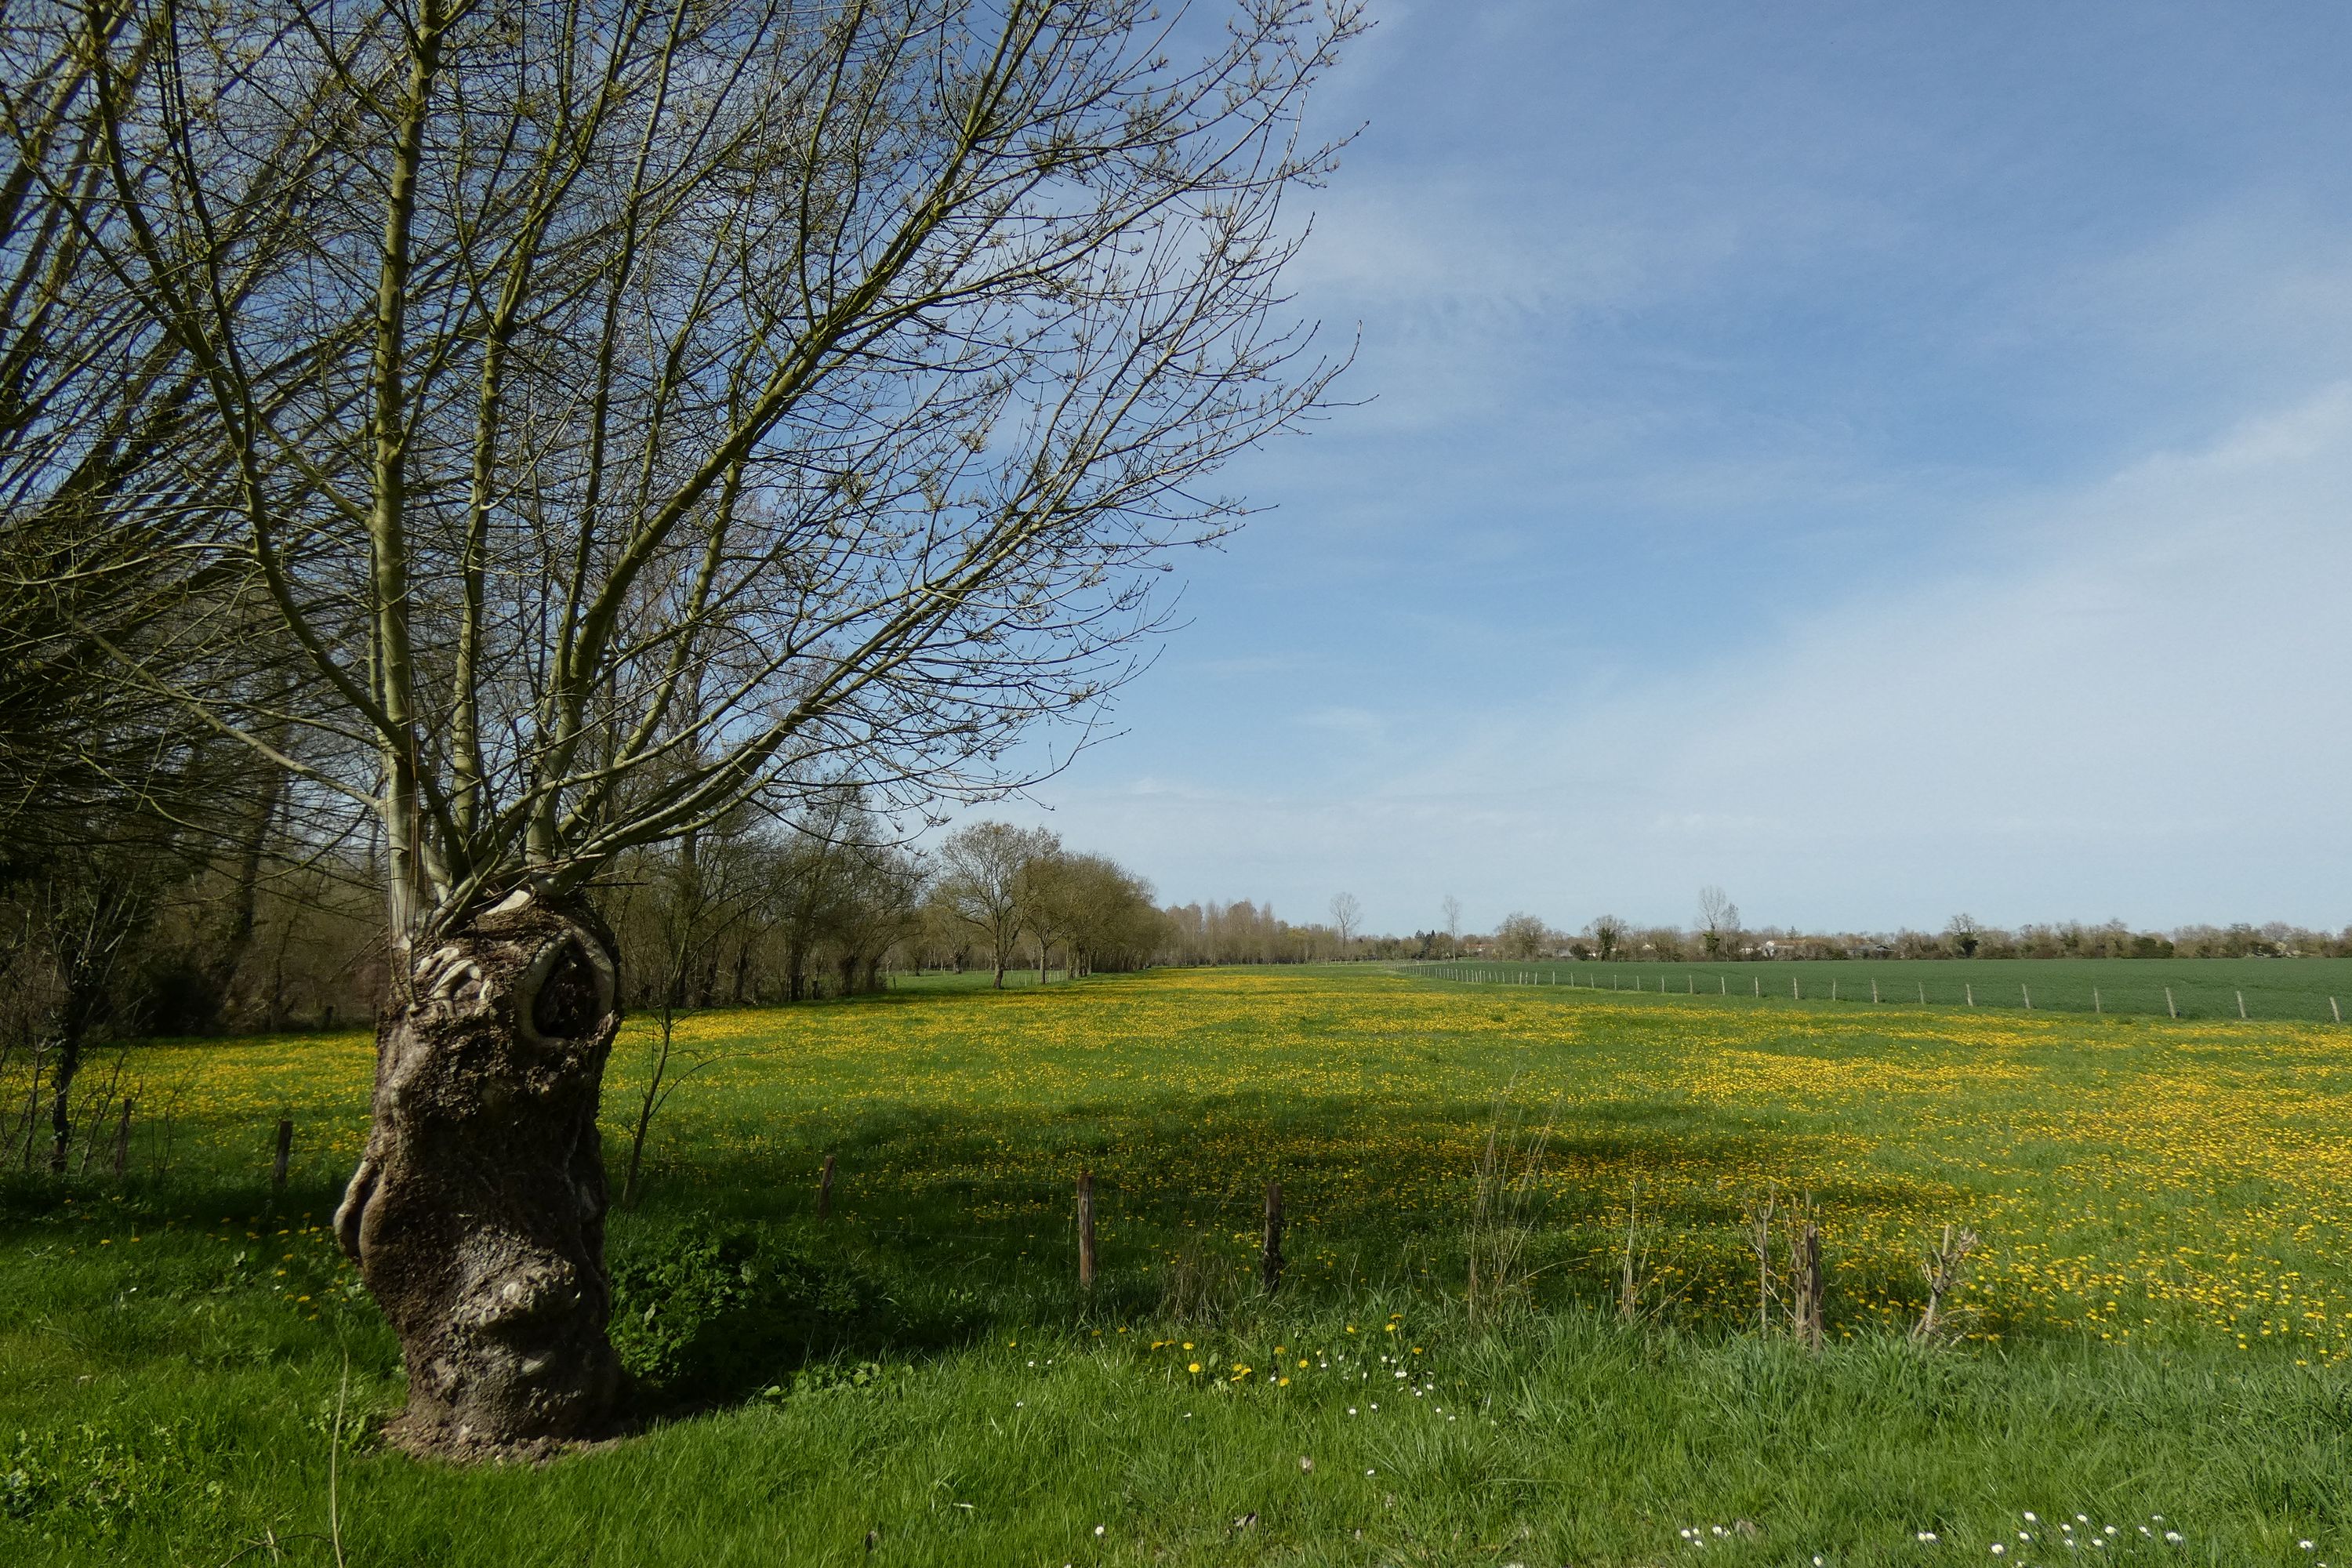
959, 1225
952, 1227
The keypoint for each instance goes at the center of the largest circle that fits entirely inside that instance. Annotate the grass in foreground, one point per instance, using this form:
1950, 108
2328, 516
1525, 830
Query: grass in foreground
2161, 1311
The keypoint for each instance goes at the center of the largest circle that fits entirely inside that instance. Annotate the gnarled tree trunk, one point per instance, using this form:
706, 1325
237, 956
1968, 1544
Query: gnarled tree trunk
476, 1214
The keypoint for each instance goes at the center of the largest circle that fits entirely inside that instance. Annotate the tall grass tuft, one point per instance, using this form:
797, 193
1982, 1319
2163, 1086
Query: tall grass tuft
1503, 1212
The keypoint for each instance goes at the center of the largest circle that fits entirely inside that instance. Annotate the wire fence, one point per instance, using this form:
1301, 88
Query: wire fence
2298, 990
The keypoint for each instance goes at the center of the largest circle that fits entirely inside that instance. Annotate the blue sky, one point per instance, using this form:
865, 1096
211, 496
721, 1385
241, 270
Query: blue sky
1884, 460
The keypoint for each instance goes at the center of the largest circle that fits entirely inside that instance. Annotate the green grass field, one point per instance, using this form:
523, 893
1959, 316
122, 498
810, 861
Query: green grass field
2311, 990
2157, 1330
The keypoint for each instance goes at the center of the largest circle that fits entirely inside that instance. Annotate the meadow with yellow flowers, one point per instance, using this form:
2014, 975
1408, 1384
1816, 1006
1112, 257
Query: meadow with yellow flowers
2142, 1357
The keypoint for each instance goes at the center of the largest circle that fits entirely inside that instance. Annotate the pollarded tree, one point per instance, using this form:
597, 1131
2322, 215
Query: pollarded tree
632, 408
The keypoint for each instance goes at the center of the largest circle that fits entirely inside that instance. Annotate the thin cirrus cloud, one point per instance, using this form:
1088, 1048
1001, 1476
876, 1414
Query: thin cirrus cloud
2128, 688
1879, 462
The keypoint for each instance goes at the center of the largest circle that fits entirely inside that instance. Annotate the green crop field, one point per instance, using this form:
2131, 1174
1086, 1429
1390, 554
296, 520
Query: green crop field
2146, 1355
2315, 990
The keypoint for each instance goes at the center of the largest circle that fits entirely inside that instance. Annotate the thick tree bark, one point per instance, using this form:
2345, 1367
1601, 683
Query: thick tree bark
476, 1214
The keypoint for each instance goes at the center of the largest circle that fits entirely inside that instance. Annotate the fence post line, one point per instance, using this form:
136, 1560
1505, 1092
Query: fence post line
1085, 1230
824, 1189
1269, 1259
285, 1149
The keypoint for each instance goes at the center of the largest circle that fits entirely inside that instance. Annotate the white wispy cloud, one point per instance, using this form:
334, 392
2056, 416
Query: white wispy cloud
2112, 710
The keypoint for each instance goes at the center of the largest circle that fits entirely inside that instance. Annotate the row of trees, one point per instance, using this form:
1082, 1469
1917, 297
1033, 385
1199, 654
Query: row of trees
999, 884
1244, 931
162, 936
1719, 934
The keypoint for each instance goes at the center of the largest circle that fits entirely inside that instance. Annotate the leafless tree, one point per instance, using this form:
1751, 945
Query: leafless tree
631, 409
1718, 921
1522, 937
1452, 909
1347, 920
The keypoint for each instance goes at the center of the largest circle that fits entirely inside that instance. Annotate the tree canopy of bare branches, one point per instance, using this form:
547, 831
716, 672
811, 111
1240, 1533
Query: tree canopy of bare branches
628, 406
624, 411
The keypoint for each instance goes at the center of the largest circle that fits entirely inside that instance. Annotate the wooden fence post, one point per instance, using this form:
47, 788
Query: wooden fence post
1085, 1230
1809, 1287
285, 1149
2027, 993
2241, 1003
1269, 1262
123, 1138
1969, 992
824, 1189
2168, 1008
2335, 1009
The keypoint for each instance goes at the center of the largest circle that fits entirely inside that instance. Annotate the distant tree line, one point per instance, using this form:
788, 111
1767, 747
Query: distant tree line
209, 900
1719, 935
